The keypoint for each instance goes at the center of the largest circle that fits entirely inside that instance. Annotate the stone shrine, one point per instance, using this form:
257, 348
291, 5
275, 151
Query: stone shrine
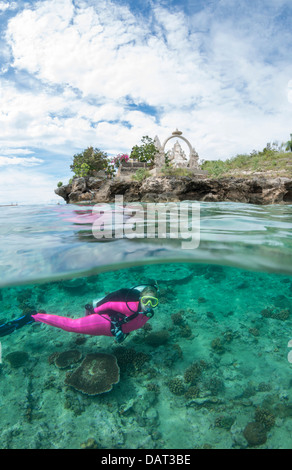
176, 155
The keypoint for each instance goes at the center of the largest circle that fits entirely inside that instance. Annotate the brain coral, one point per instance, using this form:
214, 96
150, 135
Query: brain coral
96, 374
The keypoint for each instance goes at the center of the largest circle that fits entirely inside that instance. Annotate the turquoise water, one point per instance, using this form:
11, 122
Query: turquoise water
211, 370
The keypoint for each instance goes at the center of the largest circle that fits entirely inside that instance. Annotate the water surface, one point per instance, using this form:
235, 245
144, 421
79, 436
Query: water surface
212, 360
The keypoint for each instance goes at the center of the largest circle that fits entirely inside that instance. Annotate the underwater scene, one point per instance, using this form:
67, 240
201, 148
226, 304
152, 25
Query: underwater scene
211, 369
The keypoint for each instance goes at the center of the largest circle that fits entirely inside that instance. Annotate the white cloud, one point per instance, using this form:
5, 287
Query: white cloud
26, 186
210, 75
30, 161
116, 56
18, 151
7, 6
289, 95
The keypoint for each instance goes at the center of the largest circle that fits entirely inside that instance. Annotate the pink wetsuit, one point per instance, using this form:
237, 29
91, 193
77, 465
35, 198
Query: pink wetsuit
99, 322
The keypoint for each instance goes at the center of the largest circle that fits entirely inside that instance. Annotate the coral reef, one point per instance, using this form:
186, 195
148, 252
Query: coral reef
224, 422
80, 339
17, 358
217, 346
157, 338
176, 386
265, 417
276, 313
254, 331
67, 358
89, 444
185, 331
192, 392
255, 433
193, 372
25, 302
215, 385
52, 357
130, 360
264, 387
152, 387
73, 404
97, 374
177, 318
184, 328
166, 295
215, 274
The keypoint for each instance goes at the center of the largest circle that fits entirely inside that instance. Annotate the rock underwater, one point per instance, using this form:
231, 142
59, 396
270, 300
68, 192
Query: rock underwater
256, 190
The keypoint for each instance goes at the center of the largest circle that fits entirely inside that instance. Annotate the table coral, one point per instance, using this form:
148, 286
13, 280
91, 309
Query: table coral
67, 358
17, 358
96, 374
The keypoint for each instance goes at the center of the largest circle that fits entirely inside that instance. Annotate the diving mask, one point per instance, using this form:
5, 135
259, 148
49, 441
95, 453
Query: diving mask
149, 300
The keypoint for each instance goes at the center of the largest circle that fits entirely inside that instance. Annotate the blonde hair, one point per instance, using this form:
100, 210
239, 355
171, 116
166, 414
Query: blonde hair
149, 290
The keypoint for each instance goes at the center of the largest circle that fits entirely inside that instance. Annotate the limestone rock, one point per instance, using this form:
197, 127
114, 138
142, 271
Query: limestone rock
257, 190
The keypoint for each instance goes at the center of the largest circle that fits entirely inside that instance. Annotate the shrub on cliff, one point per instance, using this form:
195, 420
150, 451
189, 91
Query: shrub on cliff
271, 158
169, 171
89, 161
141, 174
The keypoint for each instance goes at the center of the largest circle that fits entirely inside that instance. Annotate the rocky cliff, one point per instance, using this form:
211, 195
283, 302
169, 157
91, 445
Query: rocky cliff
257, 190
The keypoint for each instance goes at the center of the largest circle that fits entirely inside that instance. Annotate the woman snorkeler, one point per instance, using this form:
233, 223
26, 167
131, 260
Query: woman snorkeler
117, 314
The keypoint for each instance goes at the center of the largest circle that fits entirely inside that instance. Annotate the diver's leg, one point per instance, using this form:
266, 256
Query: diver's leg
89, 325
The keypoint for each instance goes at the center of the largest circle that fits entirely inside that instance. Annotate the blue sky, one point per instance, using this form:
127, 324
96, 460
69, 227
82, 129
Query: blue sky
75, 73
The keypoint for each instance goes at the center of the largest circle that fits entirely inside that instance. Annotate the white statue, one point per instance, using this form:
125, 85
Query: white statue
177, 156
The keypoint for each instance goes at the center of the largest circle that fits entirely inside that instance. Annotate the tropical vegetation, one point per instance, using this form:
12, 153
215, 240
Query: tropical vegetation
88, 162
144, 152
272, 158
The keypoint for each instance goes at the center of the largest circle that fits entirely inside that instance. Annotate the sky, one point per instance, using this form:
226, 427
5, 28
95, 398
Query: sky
105, 73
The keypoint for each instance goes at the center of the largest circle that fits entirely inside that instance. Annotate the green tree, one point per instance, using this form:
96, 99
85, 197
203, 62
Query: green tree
289, 144
145, 152
89, 161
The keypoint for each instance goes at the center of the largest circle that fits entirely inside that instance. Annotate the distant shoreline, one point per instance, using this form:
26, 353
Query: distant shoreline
8, 205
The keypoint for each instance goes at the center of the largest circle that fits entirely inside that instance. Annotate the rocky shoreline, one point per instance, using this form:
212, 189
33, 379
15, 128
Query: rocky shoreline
255, 190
